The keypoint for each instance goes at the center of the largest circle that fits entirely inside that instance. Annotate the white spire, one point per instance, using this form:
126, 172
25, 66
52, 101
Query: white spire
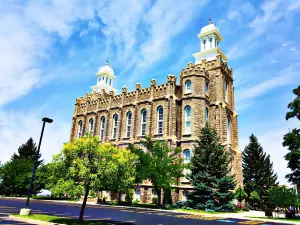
210, 39
105, 79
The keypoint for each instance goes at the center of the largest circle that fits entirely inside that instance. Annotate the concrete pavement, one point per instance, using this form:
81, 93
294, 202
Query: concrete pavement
114, 215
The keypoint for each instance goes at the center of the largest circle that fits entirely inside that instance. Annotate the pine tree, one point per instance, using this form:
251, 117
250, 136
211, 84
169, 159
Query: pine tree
27, 151
257, 168
210, 173
292, 141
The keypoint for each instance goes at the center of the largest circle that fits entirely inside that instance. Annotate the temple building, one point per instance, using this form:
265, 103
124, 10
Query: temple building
174, 112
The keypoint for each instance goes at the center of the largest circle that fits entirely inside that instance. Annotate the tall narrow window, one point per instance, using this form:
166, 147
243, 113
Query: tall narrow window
206, 87
115, 126
228, 127
187, 111
204, 42
160, 119
187, 159
109, 81
210, 42
106, 79
79, 134
143, 122
225, 90
188, 86
128, 124
102, 128
206, 115
91, 126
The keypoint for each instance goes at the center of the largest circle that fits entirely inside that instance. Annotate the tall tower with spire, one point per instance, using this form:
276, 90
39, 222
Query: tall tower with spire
105, 79
210, 39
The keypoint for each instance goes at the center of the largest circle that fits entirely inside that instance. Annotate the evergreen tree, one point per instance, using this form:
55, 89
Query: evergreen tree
27, 151
292, 141
257, 168
210, 174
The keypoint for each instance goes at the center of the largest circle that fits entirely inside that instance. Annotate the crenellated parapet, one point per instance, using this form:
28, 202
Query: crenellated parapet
102, 101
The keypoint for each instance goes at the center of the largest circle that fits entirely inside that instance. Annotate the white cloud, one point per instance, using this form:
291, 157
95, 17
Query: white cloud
294, 5
232, 14
273, 61
293, 49
17, 127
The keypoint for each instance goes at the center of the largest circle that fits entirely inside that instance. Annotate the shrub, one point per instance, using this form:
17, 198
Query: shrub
174, 206
248, 206
154, 200
129, 196
166, 206
135, 202
180, 204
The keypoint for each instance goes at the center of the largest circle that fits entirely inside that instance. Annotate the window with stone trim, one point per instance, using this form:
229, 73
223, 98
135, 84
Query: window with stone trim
187, 111
128, 124
228, 128
143, 122
160, 118
225, 90
91, 126
79, 133
102, 128
206, 115
186, 160
188, 86
206, 87
115, 126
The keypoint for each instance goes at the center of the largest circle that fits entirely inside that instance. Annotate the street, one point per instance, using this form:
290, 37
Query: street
111, 215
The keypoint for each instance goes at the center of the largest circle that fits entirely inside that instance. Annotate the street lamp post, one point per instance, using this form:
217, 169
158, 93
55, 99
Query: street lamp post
26, 211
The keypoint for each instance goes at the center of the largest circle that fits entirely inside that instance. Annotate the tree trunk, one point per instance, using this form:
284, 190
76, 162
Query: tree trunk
119, 195
87, 189
159, 196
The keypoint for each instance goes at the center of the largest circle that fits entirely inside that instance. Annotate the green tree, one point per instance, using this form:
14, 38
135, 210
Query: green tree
89, 166
254, 199
210, 173
258, 170
28, 151
159, 164
282, 197
292, 141
240, 195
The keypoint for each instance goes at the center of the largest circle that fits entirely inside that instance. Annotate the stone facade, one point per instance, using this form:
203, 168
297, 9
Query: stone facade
211, 89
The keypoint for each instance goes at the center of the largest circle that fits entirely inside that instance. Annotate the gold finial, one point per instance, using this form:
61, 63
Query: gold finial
106, 62
209, 20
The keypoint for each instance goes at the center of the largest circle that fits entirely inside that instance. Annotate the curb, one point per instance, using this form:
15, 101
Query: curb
32, 221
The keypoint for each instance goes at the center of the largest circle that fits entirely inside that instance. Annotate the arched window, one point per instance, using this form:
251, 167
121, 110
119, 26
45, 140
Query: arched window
79, 134
228, 127
188, 86
187, 156
115, 126
143, 122
206, 115
102, 128
160, 119
206, 87
225, 90
91, 126
187, 111
128, 124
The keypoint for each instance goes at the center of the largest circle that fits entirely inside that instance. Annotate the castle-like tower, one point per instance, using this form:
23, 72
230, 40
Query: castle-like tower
171, 112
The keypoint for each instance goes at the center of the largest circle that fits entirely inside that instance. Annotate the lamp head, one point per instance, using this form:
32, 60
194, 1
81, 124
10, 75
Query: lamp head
47, 120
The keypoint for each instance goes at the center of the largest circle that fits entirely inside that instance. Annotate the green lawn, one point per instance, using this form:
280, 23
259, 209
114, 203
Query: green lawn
273, 218
203, 212
57, 219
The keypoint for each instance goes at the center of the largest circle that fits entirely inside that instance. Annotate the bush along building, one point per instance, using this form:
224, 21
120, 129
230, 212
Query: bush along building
171, 112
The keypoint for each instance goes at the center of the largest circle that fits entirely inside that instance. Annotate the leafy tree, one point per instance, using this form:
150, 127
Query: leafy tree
257, 168
282, 197
210, 173
240, 195
159, 164
254, 199
292, 141
89, 166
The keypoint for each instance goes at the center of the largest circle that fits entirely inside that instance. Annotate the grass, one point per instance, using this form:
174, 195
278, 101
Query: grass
203, 212
56, 219
274, 218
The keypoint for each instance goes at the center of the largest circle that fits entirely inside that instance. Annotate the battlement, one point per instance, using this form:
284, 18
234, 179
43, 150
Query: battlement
98, 101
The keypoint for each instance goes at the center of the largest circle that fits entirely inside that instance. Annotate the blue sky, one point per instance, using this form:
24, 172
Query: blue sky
51, 50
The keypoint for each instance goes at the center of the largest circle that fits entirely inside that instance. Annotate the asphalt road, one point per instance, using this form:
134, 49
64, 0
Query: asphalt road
113, 215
